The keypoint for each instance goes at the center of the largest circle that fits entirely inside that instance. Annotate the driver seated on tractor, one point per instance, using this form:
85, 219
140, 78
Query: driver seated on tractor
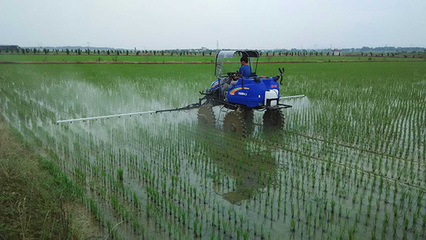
245, 69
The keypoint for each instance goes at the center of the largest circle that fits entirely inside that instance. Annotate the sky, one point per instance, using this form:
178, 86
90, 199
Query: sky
231, 24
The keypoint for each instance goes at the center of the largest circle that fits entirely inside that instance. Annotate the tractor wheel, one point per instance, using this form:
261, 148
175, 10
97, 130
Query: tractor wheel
273, 118
248, 116
206, 116
235, 124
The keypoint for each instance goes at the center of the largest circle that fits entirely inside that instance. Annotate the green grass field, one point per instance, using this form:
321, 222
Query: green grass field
349, 164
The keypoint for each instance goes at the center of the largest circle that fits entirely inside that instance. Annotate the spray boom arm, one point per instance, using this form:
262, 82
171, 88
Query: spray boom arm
190, 106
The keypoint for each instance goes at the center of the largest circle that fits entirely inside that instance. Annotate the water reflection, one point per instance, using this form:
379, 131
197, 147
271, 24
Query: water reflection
252, 168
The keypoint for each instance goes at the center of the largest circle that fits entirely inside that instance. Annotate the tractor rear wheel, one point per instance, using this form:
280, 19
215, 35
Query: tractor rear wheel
273, 118
235, 124
206, 116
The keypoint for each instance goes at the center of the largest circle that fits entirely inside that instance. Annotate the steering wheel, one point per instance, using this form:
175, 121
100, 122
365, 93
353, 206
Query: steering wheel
232, 74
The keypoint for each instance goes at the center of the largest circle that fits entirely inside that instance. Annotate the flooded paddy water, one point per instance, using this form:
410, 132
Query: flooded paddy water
350, 162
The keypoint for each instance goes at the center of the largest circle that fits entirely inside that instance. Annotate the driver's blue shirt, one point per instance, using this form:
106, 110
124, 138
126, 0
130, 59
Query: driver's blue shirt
245, 71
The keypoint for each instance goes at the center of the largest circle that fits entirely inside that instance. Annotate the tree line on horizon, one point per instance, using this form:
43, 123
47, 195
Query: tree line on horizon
368, 52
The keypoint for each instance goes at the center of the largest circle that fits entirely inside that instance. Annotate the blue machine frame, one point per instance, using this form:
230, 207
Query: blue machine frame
250, 92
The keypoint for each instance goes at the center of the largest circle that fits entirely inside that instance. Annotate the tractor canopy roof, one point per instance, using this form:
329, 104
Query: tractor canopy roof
229, 61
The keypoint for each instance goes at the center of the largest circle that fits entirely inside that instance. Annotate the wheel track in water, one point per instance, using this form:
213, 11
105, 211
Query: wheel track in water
352, 147
357, 148
370, 173
419, 167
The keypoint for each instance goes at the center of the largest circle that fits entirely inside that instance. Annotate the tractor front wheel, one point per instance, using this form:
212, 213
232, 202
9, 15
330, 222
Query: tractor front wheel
234, 124
206, 116
247, 115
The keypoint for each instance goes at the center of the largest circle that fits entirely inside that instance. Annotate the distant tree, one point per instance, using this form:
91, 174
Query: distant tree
34, 51
23, 51
108, 52
127, 52
99, 52
88, 51
137, 53
118, 52
79, 51
46, 51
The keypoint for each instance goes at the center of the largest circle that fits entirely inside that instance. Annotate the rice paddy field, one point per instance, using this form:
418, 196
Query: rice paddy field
349, 164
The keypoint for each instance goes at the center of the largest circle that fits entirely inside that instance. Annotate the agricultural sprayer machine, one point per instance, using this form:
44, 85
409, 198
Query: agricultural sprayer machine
239, 95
